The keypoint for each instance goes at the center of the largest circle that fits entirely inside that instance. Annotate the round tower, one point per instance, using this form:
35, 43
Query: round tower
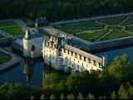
27, 44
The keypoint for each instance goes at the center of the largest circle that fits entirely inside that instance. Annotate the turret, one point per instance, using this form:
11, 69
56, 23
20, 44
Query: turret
27, 44
103, 61
61, 41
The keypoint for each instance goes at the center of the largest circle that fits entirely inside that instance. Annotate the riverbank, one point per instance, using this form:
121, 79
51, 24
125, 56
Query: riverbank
14, 60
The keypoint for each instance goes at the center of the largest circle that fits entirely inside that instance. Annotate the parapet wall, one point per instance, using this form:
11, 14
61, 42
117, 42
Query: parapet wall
110, 44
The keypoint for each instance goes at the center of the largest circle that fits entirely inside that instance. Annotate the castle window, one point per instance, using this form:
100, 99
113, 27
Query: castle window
80, 57
84, 59
75, 55
99, 64
94, 62
89, 60
71, 53
68, 51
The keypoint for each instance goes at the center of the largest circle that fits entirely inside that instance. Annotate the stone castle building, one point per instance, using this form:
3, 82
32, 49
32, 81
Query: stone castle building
32, 45
62, 56
59, 54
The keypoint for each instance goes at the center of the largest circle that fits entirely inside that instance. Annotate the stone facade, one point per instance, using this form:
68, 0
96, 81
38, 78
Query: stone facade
62, 56
32, 46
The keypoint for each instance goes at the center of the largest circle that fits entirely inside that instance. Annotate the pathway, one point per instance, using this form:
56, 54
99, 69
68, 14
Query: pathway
104, 35
14, 60
91, 18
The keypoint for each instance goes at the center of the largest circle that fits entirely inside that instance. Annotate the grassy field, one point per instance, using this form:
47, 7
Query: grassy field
100, 29
79, 27
4, 58
91, 35
11, 28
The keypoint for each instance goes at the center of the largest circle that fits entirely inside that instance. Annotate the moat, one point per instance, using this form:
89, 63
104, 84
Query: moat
33, 73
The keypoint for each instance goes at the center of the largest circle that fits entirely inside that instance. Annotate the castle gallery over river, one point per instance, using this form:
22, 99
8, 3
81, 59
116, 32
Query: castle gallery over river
59, 54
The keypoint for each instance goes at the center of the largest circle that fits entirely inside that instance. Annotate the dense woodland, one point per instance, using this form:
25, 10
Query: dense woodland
56, 10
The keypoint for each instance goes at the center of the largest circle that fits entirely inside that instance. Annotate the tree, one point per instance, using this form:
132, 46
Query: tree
64, 9
122, 93
52, 97
113, 95
70, 97
73, 81
90, 96
80, 96
13, 91
130, 91
62, 97
31, 97
43, 97
119, 67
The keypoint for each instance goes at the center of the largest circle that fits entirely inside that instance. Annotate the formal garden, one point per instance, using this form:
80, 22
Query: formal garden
100, 29
10, 27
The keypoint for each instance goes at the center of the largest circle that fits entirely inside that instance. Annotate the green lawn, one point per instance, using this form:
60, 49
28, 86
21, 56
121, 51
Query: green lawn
116, 33
4, 58
74, 28
92, 36
11, 28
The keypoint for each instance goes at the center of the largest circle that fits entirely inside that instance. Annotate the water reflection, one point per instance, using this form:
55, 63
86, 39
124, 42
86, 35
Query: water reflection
26, 72
32, 71
28, 69
110, 55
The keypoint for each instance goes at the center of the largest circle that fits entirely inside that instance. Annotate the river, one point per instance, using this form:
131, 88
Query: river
26, 73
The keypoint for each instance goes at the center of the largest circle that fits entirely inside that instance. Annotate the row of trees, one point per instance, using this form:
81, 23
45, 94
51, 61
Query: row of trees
62, 9
124, 92
17, 91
